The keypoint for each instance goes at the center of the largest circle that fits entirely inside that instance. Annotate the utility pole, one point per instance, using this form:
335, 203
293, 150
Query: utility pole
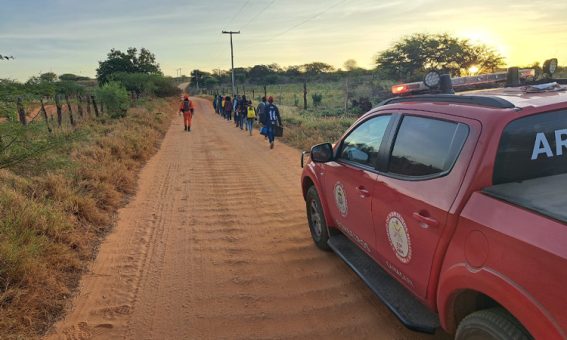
232, 57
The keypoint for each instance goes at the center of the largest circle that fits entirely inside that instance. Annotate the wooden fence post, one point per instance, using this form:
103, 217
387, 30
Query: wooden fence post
45, 115
101, 107
253, 94
94, 106
265, 92
79, 106
21, 112
71, 118
88, 105
305, 94
59, 110
346, 95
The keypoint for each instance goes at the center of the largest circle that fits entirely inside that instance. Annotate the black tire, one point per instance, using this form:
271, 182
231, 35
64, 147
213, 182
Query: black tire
316, 219
493, 323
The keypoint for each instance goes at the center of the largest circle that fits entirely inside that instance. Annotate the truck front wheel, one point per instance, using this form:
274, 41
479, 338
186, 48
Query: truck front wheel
493, 323
316, 219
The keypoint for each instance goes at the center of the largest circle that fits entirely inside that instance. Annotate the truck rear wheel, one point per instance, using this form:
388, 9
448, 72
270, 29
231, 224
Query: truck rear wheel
316, 219
493, 323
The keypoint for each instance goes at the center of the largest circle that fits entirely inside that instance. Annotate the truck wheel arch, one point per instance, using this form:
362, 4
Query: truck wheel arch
308, 182
461, 292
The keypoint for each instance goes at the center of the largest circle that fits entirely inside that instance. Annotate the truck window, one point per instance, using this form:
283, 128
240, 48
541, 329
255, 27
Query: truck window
426, 147
532, 147
362, 144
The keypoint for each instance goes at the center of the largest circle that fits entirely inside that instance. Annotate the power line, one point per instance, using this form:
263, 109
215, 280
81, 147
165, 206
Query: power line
311, 18
259, 13
239, 11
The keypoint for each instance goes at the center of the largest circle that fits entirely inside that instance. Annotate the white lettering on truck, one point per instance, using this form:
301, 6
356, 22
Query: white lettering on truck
541, 144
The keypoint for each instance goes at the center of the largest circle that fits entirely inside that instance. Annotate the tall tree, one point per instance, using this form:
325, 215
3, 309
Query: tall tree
410, 58
350, 65
129, 62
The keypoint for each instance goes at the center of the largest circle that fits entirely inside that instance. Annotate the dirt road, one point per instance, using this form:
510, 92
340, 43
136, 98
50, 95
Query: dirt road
215, 245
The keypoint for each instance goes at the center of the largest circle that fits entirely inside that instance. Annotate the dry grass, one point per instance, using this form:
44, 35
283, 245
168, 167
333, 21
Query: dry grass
303, 130
50, 224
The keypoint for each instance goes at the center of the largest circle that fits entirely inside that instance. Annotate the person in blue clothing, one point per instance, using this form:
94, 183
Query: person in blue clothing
242, 110
271, 120
235, 106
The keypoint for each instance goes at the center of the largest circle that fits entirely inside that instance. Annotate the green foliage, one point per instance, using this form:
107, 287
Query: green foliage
19, 144
316, 68
410, 58
48, 77
164, 86
69, 88
115, 99
317, 98
129, 62
72, 77
147, 84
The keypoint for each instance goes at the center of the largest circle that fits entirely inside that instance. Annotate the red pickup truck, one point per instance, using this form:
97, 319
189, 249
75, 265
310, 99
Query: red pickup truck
453, 209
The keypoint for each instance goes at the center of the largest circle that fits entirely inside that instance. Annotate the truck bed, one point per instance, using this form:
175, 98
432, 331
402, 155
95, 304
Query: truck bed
545, 195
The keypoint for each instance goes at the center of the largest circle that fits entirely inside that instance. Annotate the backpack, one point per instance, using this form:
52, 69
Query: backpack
251, 112
186, 106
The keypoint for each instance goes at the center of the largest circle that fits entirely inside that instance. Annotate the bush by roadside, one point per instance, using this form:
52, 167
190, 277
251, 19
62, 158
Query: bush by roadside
56, 207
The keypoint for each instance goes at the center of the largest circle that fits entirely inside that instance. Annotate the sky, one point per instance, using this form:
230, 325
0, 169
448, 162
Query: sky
72, 36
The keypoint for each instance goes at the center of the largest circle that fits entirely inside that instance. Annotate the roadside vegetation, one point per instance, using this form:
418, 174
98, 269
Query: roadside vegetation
318, 102
61, 187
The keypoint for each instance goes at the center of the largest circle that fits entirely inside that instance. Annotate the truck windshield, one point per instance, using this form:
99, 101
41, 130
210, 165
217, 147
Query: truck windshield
532, 147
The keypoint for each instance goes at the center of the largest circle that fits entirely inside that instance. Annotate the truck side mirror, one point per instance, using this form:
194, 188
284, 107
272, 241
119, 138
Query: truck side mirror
322, 153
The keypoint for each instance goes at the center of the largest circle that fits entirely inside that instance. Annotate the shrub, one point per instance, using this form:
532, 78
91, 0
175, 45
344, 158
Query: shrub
317, 99
115, 98
147, 84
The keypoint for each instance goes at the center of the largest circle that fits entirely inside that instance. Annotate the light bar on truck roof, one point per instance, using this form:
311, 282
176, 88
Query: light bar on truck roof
420, 86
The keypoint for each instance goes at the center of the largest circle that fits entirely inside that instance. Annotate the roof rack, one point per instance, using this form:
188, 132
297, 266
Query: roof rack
487, 101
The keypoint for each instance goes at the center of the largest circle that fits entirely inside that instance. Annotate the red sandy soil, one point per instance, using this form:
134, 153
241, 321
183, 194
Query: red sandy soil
215, 244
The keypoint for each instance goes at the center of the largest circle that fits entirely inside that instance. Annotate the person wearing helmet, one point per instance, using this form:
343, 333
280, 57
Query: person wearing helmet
187, 109
272, 119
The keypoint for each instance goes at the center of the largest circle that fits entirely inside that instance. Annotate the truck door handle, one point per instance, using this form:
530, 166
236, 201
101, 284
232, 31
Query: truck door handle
363, 191
424, 221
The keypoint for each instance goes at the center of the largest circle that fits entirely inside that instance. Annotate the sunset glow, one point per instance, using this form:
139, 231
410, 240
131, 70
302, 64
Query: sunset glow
75, 35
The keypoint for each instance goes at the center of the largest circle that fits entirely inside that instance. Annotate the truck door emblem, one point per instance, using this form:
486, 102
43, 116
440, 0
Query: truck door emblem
340, 199
398, 236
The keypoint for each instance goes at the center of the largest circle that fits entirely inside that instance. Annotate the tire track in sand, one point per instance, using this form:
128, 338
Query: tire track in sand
216, 245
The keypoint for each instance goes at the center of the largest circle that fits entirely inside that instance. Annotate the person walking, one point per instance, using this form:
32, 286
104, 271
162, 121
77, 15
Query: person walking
272, 120
222, 107
250, 117
219, 104
227, 108
235, 103
260, 112
242, 108
187, 110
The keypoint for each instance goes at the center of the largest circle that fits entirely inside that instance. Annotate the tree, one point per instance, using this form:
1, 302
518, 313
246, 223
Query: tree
410, 58
198, 78
49, 77
129, 62
72, 77
317, 68
350, 65
258, 73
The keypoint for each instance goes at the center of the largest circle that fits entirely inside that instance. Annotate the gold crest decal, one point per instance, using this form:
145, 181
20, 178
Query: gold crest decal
398, 236
340, 199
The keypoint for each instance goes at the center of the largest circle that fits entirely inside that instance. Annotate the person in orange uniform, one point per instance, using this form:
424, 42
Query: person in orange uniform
187, 109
